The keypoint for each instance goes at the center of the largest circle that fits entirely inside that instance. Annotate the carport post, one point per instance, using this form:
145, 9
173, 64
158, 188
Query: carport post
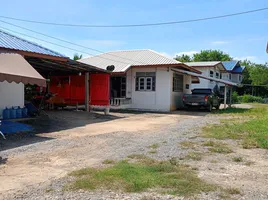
231, 91
225, 96
87, 91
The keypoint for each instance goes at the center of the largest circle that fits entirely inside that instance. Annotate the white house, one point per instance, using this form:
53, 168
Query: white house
213, 69
144, 79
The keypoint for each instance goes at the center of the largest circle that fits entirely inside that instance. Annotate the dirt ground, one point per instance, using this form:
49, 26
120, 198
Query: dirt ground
69, 140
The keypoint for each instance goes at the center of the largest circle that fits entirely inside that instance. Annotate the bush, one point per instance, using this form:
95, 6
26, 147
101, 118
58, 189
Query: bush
250, 99
235, 97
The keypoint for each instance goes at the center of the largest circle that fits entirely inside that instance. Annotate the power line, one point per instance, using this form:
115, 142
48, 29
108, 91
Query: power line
60, 45
136, 25
68, 42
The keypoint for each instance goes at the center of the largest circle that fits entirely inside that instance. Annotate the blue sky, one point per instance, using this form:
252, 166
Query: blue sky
242, 36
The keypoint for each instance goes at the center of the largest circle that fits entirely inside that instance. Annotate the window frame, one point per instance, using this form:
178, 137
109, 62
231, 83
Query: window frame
177, 84
149, 81
230, 76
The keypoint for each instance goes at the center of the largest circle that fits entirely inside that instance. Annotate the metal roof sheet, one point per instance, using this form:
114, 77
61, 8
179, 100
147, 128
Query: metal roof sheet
200, 64
238, 69
122, 60
230, 65
10, 41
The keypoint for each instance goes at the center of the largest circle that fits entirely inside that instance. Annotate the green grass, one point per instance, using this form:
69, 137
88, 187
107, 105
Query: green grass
253, 131
237, 159
162, 176
194, 156
217, 147
187, 144
107, 162
153, 146
152, 152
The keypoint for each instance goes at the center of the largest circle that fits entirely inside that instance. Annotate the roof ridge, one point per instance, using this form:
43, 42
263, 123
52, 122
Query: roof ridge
163, 55
30, 42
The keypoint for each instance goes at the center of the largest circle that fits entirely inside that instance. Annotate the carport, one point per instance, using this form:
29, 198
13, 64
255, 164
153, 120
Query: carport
226, 83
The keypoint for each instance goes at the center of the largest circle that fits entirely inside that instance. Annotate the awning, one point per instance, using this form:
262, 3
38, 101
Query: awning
205, 77
14, 68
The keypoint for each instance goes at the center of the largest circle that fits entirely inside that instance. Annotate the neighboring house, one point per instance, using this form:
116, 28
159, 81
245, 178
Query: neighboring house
213, 69
144, 79
234, 71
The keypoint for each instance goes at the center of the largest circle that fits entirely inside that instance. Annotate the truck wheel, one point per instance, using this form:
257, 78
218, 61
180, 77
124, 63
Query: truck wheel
209, 108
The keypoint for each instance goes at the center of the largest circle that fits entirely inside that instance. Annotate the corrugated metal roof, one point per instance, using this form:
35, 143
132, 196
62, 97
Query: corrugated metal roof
200, 64
122, 60
10, 41
238, 69
229, 65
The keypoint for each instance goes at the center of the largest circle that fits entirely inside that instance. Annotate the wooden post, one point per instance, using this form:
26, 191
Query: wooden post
225, 96
231, 91
87, 91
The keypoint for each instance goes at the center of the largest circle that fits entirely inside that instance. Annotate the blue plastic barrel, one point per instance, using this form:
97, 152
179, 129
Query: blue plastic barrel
12, 113
6, 114
18, 112
24, 112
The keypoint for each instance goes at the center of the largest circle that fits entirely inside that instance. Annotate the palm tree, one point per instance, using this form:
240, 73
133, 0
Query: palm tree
77, 56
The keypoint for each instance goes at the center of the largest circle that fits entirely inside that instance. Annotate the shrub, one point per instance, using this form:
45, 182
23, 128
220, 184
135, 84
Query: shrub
249, 99
235, 97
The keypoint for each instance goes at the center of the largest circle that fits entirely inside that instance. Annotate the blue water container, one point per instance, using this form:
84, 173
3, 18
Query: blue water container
24, 112
18, 112
6, 114
12, 113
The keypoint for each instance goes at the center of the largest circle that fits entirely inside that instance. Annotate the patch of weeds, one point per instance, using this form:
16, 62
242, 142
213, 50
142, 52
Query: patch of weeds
223, 168
49, 190
187, 144
153, 146
195, 168
223, 195
139, 177
237, 159
214, 161
174, 161
252, 132
137, 156
221, 149
249, 163
107, 162
152, 152
232, 191
194, 156
165, 142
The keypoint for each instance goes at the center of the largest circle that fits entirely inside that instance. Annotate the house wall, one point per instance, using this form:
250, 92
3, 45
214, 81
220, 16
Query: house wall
158, 100
11, 94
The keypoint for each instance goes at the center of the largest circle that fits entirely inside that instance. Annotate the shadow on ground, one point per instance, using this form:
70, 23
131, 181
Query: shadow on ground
52, 121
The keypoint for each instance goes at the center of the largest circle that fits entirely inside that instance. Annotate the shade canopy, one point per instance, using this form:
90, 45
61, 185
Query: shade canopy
14, 68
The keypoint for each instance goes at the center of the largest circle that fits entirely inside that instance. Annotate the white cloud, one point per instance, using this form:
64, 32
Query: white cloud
220, 42
251, 58
188, 53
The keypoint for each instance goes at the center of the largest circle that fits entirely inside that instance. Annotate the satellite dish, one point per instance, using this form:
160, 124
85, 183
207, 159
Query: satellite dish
110, 68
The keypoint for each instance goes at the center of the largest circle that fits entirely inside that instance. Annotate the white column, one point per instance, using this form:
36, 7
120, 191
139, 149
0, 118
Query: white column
231, 91
87, 91
225, 96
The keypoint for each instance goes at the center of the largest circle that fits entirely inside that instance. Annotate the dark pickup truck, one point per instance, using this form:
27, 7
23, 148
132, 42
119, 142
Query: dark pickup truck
202, 98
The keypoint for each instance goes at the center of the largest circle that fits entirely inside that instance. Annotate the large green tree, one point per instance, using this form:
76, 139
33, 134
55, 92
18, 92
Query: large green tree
184, 58
77, 56
211, 55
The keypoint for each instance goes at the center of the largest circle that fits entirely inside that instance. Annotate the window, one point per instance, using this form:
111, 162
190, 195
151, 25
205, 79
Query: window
220, 76
217, 75
230, 76
240, 77
177, 83
211, 74
145, 81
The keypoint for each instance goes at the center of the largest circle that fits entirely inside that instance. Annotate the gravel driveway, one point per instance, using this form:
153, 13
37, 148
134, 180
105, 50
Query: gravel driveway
85, 140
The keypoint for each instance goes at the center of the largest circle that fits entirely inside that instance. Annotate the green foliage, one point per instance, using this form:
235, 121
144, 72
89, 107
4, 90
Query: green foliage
211, 55
140, 176
183, 58
235, 97
249, 99
77, 56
